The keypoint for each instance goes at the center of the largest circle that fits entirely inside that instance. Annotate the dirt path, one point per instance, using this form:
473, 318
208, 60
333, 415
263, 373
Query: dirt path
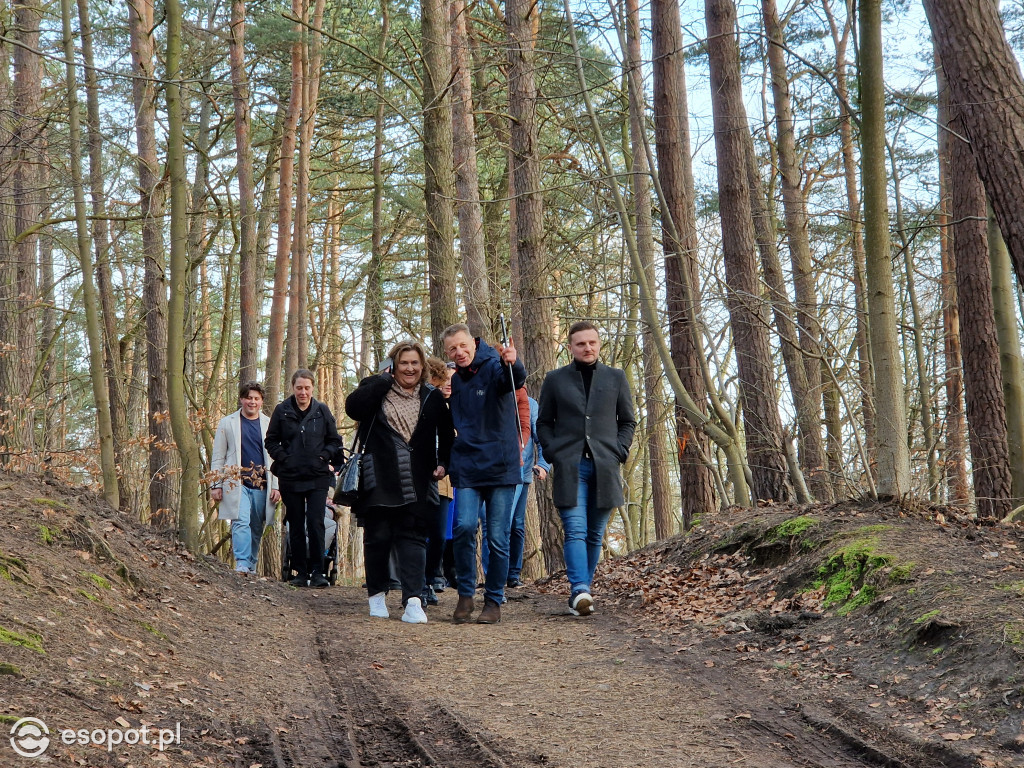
542, 688
106, 624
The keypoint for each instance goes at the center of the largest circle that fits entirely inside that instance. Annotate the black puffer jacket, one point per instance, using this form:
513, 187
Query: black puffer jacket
394, 472
302, 445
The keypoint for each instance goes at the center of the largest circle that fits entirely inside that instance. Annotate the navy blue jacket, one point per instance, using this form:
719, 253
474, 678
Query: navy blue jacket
483, 405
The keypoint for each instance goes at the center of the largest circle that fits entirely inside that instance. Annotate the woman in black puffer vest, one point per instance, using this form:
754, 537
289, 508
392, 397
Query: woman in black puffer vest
406, 432
303, 441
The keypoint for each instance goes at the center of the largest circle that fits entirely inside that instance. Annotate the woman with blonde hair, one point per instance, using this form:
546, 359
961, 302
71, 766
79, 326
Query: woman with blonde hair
406, 432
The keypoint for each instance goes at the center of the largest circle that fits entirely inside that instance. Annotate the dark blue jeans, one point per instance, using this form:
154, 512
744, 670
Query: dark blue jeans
584, 527
517, 534
468, 502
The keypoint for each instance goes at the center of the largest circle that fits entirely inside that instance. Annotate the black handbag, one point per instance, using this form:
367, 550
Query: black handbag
346, 492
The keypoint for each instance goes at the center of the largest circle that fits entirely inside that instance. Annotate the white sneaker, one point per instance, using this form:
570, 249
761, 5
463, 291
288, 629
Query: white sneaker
414, 612
581, 604
378, 608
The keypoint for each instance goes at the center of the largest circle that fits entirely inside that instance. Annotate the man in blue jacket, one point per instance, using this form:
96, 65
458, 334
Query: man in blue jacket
485, 462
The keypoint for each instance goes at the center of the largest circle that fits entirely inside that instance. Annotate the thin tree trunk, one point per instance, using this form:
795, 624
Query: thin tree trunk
679, 242
539, 334
94, 331
9, 384
809, 413
101, 243
439, 167
762, 425
955, 455
893, 456
664, 521
184, 436
297, 340
865, 373
249, 277
783, 312
151, 202
476, 287
371, 349
279, 298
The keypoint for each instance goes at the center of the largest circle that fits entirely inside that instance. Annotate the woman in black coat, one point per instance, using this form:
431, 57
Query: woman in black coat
302, 439
406, 432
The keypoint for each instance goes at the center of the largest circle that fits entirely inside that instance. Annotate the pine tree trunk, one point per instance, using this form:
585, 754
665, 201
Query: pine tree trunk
94, 331
279, 297
1011, 365
658, 461
985, 84
184, 435
371, 350
439, 167
162, 494
476, 285
893, 456
679, 239
865, 374
809, 413
249, 277
762, 425
539, 331
27, 205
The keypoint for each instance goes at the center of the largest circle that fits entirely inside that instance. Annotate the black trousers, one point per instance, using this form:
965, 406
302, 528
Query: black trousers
397, 527
304, 513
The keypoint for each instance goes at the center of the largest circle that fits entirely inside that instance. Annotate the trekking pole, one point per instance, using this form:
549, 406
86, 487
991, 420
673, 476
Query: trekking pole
504, 343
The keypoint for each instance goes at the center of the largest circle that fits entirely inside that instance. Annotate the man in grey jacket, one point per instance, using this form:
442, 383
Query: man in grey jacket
243, 485
585, 426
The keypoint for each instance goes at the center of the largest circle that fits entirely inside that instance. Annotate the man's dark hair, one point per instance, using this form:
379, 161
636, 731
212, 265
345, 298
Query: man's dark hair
451, 330
582, 325
249, 386
303, 373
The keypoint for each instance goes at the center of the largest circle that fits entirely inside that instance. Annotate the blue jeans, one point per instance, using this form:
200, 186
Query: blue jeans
517, 534
468, 502
247, 530
584, 530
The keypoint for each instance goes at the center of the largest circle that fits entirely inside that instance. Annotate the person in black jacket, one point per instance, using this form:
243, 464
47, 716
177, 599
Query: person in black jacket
406, 432
585, 425
303, 441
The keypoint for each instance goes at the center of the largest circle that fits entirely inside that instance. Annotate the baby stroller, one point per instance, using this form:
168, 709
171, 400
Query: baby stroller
331, 556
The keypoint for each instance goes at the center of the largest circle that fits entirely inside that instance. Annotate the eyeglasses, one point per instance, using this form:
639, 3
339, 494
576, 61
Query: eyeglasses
450, 365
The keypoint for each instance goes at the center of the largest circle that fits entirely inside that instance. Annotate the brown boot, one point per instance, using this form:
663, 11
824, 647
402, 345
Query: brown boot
463, 610
491, 614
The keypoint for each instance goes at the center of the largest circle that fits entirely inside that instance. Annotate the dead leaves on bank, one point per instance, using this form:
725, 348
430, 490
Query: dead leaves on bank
719, 590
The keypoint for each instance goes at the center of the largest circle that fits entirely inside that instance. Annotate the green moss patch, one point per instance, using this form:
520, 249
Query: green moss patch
31, 640
51, 503
845, 572
153, 630
96, 579
13, 569
9, 669
49, 535
795, 526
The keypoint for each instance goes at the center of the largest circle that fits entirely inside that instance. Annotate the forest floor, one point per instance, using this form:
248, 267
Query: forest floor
842, 635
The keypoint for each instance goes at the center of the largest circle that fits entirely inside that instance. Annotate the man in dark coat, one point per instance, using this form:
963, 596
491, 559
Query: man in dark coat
485, 465
585, 426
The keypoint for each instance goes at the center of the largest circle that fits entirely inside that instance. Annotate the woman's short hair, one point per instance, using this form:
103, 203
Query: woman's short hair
303, 373
436, 368
409, 345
